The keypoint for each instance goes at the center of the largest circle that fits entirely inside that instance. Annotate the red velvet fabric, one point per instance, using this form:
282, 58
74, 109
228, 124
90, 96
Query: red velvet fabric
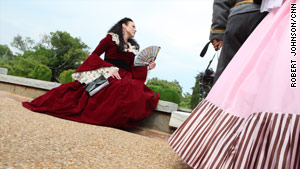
122, 104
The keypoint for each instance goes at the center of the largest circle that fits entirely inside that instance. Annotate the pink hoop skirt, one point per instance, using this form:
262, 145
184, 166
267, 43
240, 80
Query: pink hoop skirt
251, 117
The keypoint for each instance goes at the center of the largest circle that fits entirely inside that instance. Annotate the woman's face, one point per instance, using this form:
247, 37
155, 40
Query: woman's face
129, 29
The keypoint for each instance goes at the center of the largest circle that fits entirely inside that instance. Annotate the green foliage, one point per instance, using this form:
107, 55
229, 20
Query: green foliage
5, 53
196, 95
165, 84
169, 91
169, 94
156, 89
22, 67
186, 101
41, 54
6, 65
203, 84
66, 76
41, 72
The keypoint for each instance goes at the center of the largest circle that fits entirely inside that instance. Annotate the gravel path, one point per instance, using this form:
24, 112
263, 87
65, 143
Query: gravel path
34, 140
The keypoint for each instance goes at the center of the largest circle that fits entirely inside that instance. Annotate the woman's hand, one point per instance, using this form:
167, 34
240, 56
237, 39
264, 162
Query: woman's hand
151, 65
115, 74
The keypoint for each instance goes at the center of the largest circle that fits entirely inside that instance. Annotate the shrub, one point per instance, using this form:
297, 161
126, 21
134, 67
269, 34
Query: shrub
41, 72
66, 76
167, 94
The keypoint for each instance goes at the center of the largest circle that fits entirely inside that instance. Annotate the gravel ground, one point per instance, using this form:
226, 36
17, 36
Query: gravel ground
34, 140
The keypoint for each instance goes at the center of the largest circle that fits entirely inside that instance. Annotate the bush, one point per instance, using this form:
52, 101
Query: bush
169, 91
165, 84
41, 72
167, 94
66, 76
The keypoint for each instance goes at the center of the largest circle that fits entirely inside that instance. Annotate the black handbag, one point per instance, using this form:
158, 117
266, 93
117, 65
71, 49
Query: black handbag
96, 85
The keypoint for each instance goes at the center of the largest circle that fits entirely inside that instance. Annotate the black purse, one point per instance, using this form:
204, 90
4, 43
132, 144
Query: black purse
96, 85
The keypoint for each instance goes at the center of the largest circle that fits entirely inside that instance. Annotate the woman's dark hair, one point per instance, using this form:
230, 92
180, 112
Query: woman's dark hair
118, 29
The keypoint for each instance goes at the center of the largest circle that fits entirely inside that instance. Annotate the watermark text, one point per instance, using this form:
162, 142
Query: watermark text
293, 63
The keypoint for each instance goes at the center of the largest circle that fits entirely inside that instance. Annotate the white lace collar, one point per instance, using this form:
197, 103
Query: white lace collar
132, 48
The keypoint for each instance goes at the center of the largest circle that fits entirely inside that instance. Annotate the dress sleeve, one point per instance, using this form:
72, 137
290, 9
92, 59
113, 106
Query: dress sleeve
94, 66
140, 73
221, 9
103, 45
94, 61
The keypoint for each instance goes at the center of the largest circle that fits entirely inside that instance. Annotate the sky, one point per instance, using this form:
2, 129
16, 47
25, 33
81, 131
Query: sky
179, 27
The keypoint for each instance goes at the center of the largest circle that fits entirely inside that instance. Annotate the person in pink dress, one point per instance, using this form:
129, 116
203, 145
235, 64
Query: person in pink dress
251, 117
124, 103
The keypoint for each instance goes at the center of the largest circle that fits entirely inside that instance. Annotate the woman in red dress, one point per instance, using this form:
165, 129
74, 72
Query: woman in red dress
123, 103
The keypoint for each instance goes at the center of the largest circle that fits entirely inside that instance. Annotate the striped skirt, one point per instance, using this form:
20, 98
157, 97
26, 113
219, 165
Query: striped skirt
251, 117
213, 139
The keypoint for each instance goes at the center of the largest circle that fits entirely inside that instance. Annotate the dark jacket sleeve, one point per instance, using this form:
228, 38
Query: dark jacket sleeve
94, 61
221, 9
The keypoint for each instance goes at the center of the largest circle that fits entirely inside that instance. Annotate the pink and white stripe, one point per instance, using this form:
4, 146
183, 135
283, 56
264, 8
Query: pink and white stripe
211, 138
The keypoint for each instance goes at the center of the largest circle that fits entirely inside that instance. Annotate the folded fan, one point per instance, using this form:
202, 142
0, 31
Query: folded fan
146, 56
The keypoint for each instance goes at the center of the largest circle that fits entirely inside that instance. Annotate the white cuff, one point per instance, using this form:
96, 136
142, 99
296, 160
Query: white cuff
88, 76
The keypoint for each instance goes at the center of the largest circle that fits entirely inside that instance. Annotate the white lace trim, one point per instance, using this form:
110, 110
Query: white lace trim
115, 38
132, 48
88, 76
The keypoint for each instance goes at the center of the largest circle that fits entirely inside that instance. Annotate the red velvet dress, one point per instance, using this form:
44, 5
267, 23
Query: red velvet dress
121, 104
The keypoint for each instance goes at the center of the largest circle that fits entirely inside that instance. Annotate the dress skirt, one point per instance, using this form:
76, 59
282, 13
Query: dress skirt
251, 117
122, 104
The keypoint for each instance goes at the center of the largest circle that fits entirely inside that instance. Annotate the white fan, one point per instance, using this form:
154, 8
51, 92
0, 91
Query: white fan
147, 55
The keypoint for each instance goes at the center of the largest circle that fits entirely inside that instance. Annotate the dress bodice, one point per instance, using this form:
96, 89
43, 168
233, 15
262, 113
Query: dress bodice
109, 46
94, 66
122, 60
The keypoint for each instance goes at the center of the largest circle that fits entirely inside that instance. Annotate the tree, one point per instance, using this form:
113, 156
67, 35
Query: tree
5, 53
22, 44
66, 53
186, 101
203, 84
58, 51
196, 95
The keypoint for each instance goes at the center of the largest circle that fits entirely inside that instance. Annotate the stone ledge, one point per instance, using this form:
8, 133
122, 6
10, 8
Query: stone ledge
17, 83
33, 83
3, 71
177, 118
165, 106
184, 110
